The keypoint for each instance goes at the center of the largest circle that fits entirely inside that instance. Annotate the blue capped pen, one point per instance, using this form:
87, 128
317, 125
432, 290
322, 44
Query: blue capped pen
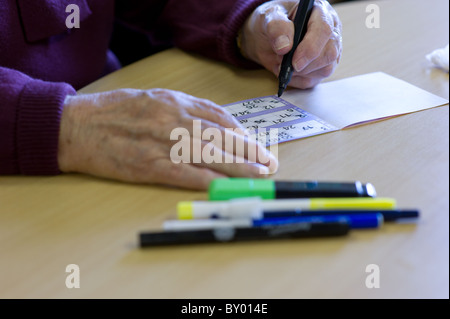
357, 221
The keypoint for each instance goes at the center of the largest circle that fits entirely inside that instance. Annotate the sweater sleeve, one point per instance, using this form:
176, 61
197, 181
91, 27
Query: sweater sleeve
209, 28
30, 113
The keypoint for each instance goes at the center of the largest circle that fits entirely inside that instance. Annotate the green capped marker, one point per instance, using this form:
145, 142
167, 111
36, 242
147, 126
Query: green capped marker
229, 188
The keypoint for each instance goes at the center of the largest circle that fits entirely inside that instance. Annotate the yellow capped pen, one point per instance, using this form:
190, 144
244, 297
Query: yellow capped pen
254, 207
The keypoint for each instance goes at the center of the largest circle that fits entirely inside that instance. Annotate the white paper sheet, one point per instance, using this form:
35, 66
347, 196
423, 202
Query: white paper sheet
332, 106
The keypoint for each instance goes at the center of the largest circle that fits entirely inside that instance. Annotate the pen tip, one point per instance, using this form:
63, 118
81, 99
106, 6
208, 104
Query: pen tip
280, 92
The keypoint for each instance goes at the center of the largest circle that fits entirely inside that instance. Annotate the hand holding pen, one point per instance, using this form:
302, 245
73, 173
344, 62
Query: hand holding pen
268, 35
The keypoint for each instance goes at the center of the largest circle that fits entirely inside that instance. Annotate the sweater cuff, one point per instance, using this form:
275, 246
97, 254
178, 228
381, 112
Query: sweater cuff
227, 40
40, 108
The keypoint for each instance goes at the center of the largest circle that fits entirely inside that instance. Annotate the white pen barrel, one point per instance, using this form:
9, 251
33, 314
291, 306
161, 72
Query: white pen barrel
286, 204
203, 224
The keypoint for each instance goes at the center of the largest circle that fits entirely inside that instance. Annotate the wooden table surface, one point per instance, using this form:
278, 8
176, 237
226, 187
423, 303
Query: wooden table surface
47, 223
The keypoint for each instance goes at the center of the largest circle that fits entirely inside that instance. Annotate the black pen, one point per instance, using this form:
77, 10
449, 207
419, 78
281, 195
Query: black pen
235, 234
300, 22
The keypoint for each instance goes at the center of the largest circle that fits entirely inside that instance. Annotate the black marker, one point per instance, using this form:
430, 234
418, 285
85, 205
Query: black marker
232, 234
300, 22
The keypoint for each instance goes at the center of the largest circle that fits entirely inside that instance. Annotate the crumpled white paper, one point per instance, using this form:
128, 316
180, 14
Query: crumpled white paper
439, 58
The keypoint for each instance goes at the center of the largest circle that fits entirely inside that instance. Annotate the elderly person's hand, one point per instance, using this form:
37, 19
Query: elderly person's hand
268, 35
128, 135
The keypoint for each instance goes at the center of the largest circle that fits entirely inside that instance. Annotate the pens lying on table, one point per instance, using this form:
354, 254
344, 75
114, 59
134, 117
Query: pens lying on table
235, 234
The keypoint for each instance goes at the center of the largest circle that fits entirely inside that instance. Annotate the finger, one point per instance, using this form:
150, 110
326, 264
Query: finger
184, 175
328, 58
229, 164
247, 147
237, 160
200, 108
322, 73
213, 113
320, 67
279, 29
303, 82
319, 32
227, 143
240, 161
212, 156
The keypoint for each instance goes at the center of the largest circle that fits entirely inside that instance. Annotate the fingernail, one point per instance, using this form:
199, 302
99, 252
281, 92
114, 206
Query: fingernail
300, 64
271, 162
263, 170
281, 42
274, 164
264, 155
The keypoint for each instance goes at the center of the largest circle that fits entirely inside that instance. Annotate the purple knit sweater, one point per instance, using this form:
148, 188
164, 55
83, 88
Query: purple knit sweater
41, 61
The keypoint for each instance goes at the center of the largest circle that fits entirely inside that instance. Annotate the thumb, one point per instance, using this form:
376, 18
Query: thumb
279, 30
